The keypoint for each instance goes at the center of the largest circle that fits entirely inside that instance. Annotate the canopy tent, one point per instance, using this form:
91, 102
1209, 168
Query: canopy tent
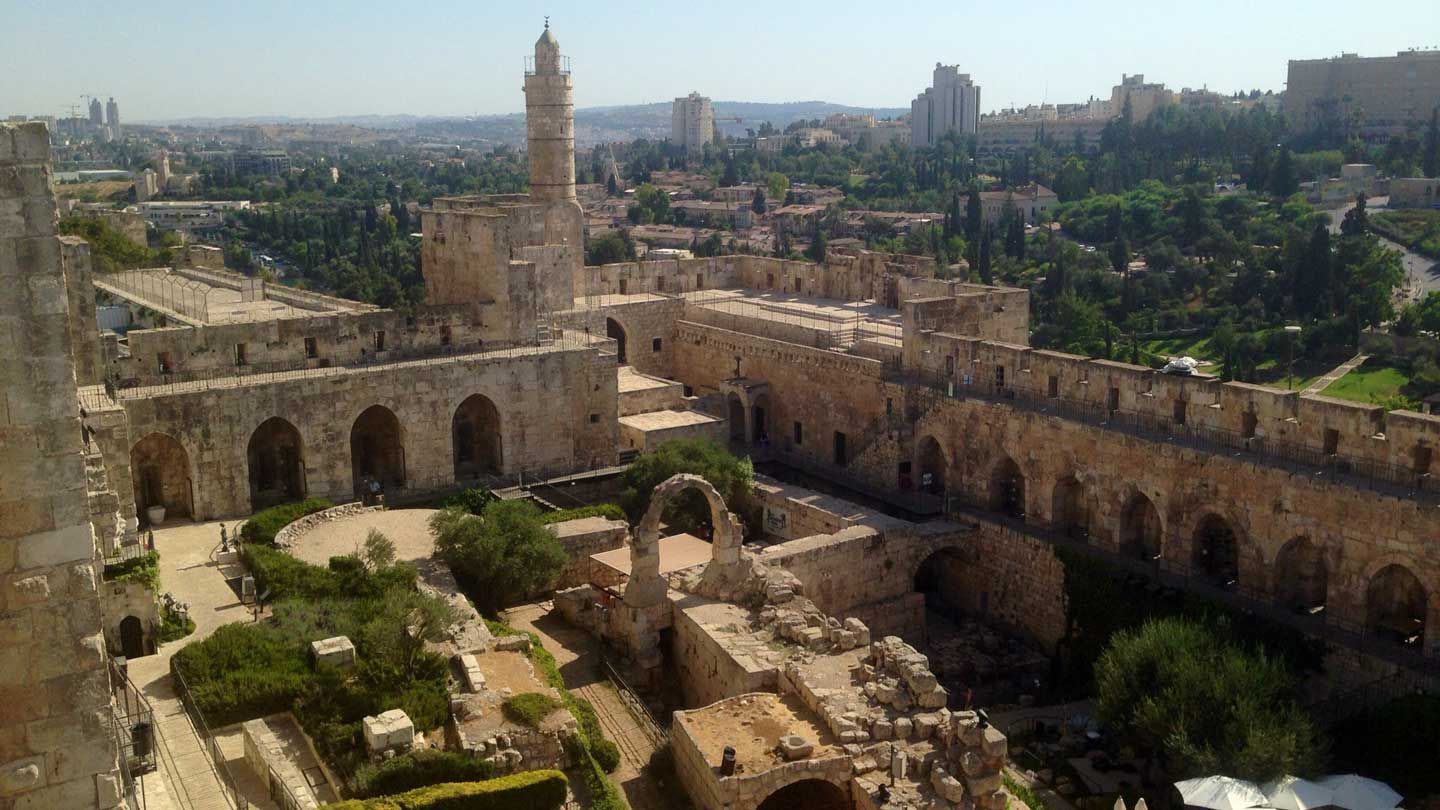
1220, 793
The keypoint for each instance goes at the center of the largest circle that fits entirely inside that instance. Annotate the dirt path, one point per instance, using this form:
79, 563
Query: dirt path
578, 657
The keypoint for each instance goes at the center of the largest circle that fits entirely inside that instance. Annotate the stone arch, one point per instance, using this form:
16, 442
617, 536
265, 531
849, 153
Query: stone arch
1302, 580
646, 587
761, 418
377, 449
616, 331
931, 465
1069, 509
1140, 528
1396, 603
160, 474
475, 434
735, 415
132, 637
811, 793
1007, 488
1215, 549
276, 459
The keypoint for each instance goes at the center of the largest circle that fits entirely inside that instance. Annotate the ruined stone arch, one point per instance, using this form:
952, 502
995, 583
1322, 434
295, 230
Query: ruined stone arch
1070, 508
1141, 527
1007, 488
616, 331
810, 792
377, 449
1301, 576
475, 437
275, 457
931, 460
160, 475
646, 587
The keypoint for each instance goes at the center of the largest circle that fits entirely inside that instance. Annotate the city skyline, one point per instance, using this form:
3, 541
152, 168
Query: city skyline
334, 60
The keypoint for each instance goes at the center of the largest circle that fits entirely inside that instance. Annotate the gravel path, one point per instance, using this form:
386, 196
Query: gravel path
406, 528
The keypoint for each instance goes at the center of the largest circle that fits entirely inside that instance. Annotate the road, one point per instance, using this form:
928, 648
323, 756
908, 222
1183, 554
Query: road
1422, 273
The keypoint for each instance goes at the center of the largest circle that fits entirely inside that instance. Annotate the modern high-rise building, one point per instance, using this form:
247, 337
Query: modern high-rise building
692, 122
1372, 97
97, 113
112, 116
951, 103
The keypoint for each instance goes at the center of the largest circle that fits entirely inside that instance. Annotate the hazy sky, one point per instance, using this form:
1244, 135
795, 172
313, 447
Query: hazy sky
444, 57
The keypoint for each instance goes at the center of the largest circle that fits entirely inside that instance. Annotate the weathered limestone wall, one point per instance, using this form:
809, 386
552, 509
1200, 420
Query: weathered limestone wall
658, 395
584, 537
539, 434
707, 670
648, 324
120, 600
55, 743
80, 293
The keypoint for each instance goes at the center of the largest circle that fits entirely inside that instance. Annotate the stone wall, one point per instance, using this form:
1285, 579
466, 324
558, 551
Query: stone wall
80, 293
120, 600
707, 669
582, 538
56, 748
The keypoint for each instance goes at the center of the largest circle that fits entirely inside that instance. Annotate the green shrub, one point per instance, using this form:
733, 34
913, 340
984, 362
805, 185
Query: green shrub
605, 510
529, 708
420, 768
173, 626
472, 501
500, 556
607, 755
732, 477
144, 569
531, 790
265, 524
285, 577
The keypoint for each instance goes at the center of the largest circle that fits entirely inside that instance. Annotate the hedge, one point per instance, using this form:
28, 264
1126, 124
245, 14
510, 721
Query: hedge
144, 569
531, 790
420, 768
605, 510
286, 577
265, 524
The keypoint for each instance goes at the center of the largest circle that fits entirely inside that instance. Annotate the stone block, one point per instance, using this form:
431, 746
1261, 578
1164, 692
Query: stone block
882, 729
794, 747
948, 787
519, 643
982, 785
936, 698
903, 727
389, 731
22, 775
926, 726
336, 651
993, 743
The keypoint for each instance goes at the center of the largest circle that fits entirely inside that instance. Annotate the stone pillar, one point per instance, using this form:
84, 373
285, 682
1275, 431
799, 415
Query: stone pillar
56, 748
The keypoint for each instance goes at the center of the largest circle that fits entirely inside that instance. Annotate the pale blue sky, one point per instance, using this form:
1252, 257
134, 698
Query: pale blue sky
442, 57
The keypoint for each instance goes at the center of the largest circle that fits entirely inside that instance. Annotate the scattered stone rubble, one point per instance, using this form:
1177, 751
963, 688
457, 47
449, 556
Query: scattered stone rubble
479, 726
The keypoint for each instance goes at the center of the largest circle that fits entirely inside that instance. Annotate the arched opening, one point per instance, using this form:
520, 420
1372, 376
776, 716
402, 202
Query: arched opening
475, 433
760, 419
931, 463
1140, 528
1395, 605
616, 332
1301, 579
938, 580
679, 499
376, 451
1217, 551
736, 417
1007, 489
808, 794
1068, 513
160, 472
277, 464
132, 637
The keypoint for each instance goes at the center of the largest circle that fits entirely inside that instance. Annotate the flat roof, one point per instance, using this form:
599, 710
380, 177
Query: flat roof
677, 552
664, 420
630, 380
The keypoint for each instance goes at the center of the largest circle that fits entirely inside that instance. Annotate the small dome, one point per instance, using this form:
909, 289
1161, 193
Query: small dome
547, 39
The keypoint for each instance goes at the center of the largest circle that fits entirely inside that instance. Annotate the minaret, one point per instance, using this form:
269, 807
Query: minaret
550, 123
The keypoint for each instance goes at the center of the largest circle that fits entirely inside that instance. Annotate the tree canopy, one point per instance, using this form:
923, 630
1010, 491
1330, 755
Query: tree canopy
501, 555
732, 477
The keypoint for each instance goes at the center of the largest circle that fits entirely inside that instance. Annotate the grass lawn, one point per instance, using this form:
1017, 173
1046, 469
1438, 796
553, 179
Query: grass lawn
1196, 346
1371, 382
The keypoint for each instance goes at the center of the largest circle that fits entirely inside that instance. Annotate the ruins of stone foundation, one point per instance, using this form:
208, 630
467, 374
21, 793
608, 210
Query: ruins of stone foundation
864, 371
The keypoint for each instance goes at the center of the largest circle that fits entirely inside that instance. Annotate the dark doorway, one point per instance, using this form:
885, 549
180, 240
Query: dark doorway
160, 469
1007, 489
1140, 529
616, 332
808, 794
475, 434
376, 450
132, 637
276, 457
1217, 552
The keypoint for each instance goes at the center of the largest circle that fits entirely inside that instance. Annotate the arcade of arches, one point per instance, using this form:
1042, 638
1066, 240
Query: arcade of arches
160, 471
475, 432
377, 452
276, 459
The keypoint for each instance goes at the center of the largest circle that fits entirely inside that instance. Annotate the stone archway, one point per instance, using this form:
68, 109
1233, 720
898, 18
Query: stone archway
132, 637
646, 586
377, 449
735, 415
932, 465
938, 580
1395, 604
1140, 528
1301, 576
616, 332
760, 419
475, 438
276, 458
808, 794
1069, 515
1007, 489
1215, 550
160, 473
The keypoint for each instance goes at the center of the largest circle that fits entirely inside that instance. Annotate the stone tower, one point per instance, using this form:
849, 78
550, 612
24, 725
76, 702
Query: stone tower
56, 748
550, 123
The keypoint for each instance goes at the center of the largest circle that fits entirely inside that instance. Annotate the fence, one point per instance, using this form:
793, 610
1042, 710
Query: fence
159, 287
1380, 477
636, 706
212, 747
133, 728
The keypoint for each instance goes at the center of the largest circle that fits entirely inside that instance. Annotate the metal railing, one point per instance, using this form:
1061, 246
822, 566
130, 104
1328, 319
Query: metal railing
160, 288
1296, 459
635, 706
212, 746
134, 731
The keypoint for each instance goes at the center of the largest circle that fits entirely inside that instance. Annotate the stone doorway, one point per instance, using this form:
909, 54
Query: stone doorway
475, 433
931, 464
132, 637
616, 332
160, 471
377, 452
1217, 551
1395, 603
1068, 513
1007, 489
1140, 529
1301, 578
276, 456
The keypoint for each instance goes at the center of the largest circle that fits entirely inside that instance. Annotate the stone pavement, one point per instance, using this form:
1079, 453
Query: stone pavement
1319, 386
189, 571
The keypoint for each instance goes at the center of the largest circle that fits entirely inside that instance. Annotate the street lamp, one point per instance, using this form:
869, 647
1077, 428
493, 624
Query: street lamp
1294, 333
